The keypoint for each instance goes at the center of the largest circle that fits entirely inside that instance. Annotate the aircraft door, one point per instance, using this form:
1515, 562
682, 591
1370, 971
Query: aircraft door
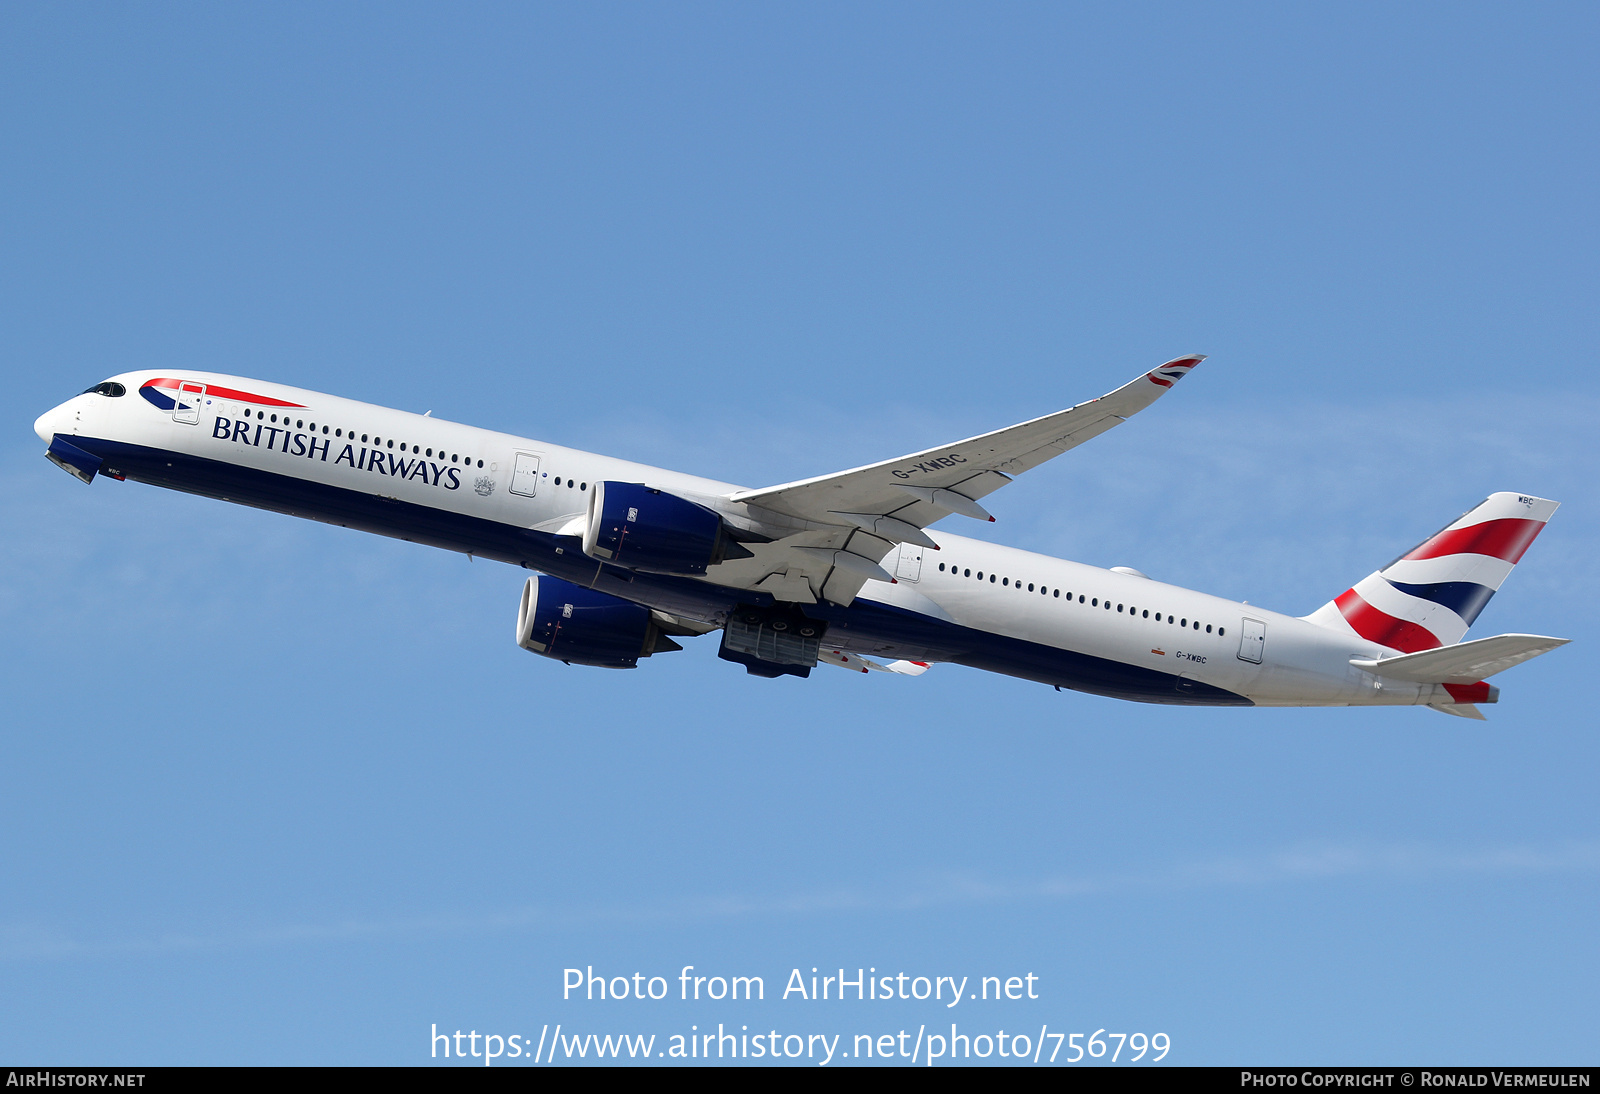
1252, 640
186, 409
525, 474
908, 567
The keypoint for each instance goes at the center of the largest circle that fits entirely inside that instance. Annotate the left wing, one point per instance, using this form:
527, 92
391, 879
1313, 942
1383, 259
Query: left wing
847, 522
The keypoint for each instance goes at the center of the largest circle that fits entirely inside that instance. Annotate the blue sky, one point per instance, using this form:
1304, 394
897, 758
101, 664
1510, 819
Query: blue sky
278, 792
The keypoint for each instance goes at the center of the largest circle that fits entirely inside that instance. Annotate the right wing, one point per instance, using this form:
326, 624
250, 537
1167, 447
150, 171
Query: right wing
847, 522
967, 469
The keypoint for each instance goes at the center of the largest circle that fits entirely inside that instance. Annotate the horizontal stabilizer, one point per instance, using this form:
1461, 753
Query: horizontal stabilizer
849, 661
1460, 710
1463, 663
857, 663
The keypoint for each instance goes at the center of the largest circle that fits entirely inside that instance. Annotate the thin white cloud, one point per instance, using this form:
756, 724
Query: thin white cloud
1415, 863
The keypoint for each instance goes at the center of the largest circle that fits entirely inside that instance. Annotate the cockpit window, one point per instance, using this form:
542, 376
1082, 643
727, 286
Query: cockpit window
109, 389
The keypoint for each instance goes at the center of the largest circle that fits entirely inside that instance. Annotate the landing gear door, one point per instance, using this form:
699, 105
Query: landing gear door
187, 407
525, 474
1252, 640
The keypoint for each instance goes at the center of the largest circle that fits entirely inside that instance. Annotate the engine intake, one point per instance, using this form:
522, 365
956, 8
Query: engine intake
644, 528
583, 627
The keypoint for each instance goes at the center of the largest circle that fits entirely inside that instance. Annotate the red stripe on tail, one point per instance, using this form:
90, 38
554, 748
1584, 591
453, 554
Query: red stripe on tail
1383, 628
1505, 539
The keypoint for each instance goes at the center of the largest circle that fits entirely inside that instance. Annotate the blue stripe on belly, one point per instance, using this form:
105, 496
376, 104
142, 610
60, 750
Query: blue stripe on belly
864, 624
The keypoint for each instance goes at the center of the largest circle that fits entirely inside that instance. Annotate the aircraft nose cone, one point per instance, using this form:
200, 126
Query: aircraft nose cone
48, 423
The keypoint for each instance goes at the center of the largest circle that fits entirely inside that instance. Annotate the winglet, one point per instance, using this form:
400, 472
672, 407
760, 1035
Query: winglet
1174, 370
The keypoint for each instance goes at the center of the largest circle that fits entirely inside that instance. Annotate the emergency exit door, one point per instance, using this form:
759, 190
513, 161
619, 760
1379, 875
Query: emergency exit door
1252, 640
525, 474
908, 566
186, 408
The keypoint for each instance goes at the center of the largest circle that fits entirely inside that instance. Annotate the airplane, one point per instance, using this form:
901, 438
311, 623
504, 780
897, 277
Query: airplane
842, 569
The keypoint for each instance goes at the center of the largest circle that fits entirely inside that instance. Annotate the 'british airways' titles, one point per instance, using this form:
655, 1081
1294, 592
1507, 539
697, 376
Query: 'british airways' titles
279, 439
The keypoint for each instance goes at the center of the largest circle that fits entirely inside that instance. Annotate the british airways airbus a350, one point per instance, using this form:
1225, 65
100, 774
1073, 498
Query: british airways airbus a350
833, 570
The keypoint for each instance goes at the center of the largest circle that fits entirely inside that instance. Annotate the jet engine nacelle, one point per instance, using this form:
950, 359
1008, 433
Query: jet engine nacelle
583, 627
644, 528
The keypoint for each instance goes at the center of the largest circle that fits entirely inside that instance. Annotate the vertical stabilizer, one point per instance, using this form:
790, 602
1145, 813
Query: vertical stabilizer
1430, 595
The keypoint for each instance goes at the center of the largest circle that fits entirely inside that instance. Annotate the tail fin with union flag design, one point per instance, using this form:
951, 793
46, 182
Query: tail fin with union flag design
1430, 595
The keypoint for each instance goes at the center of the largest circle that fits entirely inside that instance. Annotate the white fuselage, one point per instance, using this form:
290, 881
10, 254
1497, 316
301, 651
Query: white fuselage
460, 470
